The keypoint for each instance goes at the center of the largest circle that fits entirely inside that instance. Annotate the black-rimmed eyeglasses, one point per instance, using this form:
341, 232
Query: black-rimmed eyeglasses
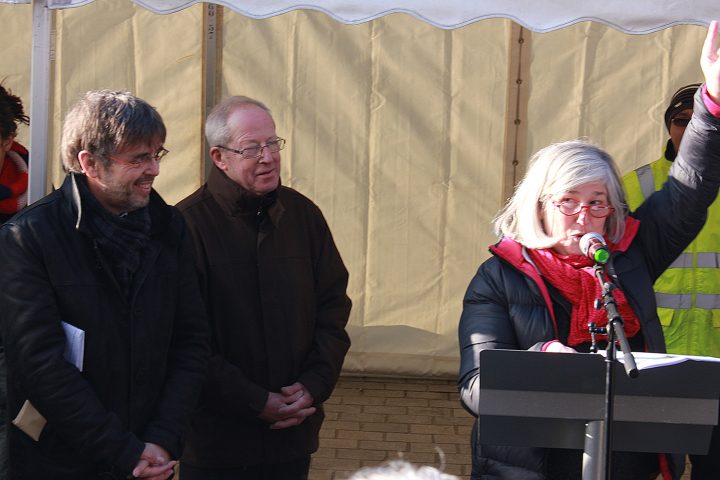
256, 151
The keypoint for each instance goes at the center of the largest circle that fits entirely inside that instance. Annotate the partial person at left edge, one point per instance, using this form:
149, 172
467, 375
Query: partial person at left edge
13, 197
13, 156
105, 257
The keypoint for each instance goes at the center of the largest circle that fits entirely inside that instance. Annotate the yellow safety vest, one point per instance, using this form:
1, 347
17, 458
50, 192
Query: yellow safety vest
688, 292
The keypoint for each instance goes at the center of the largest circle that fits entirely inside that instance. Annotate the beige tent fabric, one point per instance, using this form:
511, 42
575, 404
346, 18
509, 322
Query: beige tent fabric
592, 81
15, 40
395, 128
119, 46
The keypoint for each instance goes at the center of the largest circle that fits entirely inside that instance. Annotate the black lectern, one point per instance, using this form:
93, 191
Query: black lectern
556, 400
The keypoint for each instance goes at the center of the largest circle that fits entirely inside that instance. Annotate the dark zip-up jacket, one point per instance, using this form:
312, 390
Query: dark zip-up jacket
275, 289
508, 306
144, 358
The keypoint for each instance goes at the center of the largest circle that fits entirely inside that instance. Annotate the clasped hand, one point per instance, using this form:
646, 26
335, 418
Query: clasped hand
154, 463
289, 407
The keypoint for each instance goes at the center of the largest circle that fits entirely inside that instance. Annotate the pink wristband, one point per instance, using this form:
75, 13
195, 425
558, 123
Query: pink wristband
712, 107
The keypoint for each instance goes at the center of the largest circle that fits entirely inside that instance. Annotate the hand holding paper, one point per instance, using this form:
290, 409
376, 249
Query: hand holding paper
29, 420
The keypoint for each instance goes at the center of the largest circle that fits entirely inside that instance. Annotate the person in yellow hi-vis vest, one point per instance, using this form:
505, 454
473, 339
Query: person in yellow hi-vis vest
688, 293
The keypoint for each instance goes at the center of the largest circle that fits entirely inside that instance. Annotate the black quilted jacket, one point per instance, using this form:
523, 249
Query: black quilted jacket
504, 307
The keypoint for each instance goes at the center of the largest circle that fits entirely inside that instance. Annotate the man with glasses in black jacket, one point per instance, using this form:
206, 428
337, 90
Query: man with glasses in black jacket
104, 328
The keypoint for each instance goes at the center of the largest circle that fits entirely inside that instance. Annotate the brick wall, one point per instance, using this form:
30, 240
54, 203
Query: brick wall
370, 420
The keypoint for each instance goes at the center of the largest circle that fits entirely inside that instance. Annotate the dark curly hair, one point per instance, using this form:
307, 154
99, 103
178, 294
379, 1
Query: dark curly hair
11, 113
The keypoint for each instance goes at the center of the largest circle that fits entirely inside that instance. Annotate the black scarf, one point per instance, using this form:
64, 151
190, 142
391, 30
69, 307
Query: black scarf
120, 238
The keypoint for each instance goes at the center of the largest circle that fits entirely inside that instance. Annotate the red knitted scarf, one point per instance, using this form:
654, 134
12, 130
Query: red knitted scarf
14, 175
573, 276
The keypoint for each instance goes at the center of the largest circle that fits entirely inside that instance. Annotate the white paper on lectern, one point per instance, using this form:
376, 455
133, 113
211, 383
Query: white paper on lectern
645, 360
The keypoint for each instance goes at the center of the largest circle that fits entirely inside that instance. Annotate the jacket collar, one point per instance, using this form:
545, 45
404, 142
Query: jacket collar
160, 212
236, 201
514, 253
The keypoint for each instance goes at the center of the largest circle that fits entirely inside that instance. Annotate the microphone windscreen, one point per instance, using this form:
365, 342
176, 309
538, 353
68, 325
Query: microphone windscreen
587, 240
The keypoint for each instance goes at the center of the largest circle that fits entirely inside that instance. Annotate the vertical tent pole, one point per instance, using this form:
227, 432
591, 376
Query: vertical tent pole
212, 25
39, 100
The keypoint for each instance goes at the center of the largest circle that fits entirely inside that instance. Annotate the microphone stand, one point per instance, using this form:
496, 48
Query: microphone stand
599, 440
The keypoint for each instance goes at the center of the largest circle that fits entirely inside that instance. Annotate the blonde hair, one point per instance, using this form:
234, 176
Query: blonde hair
554, 169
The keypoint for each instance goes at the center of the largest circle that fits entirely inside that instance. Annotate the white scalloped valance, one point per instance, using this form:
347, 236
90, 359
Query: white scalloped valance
629, 16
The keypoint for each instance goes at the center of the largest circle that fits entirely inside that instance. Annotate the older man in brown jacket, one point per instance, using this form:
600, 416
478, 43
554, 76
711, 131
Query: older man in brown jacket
275, 288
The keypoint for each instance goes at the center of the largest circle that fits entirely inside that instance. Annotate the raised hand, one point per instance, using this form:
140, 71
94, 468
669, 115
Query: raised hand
710, 62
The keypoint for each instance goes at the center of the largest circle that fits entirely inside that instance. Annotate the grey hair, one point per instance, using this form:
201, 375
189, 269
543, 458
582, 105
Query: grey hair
104, 122
554, 169
217, 131
401, 470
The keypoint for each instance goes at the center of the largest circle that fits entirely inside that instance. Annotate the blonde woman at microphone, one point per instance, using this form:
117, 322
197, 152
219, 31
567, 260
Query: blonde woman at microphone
537, 290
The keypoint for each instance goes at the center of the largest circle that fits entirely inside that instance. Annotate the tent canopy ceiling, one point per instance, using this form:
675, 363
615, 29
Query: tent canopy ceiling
635, 17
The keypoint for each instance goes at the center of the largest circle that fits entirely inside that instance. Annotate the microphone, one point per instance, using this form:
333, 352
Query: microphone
593, 245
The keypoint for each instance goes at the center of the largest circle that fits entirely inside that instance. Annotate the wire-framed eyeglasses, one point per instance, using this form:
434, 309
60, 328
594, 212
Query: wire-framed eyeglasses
571, 207
143, 159
256, 151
